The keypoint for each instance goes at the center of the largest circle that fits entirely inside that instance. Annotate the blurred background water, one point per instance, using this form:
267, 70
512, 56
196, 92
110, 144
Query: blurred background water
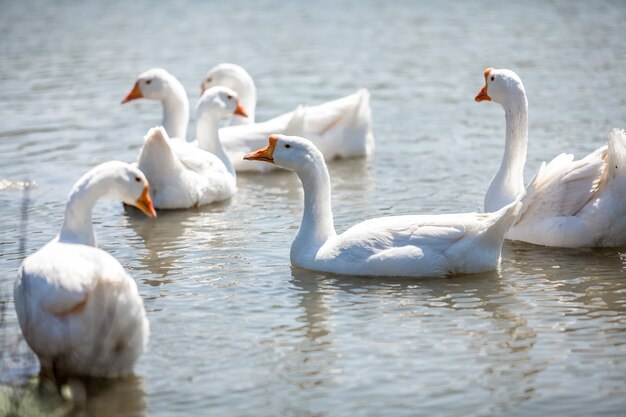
235, 330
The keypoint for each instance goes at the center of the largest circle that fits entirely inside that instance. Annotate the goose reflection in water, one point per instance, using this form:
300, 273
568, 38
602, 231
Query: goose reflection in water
311, 365
497, 351
203, 233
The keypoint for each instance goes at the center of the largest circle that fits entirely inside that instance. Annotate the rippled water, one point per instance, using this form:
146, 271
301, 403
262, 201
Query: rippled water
235, 330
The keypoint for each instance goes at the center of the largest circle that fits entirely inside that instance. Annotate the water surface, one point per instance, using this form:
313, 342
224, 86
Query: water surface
235, 330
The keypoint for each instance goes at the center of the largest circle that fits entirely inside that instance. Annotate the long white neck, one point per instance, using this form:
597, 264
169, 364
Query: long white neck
509, 180
248, 101
317, 221
77, 227
176, 110
207, 133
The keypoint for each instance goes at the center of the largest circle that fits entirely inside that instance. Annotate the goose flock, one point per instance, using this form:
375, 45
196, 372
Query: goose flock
81, 312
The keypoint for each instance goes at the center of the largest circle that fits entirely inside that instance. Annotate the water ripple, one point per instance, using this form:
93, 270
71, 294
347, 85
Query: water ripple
239, 331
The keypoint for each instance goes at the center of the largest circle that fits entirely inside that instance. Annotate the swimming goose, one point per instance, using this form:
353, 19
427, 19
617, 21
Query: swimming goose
340, 128
216, 104
180, 174
234, 77
78, 308
158, 84
569, 203
410, 246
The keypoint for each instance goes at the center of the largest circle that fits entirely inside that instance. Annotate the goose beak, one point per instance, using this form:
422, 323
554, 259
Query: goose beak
134, 94
266, 154
240, 110
482, 94
144, 203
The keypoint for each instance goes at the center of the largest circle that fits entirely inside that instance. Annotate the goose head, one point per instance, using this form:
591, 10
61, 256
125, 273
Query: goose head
221, 101
289, 152
131, 187
228, 75
155, 84
501, 85
117, 180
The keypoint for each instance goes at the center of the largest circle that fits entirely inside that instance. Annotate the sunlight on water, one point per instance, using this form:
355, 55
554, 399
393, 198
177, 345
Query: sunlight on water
234, 329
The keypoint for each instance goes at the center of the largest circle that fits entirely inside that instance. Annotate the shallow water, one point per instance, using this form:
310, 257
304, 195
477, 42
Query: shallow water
235, 330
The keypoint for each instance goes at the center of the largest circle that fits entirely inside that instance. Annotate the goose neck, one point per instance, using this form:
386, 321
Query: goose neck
77, 226
246, 91
317, 220
248, 101
207, 134
509, 180
176, 112
516, 142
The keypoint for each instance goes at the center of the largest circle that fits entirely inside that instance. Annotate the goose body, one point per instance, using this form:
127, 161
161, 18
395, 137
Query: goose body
569, 202
181, 175
184, 176
78, 308
341, 128
411, 246
236, 78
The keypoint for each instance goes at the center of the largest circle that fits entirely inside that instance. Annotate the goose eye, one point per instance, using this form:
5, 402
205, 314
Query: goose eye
208, 80
229, 97
287, 146
493, 78
148, 81
137, 179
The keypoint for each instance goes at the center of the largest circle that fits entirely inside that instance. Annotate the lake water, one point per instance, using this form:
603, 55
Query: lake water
235, 330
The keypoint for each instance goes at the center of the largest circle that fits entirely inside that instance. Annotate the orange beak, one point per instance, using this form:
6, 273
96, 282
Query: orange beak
482, 94
134, 94
144, 203
240, 110
266, 154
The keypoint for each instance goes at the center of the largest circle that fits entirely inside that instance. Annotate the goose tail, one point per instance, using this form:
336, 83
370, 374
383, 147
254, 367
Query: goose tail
503, 219
343, 127
616, 154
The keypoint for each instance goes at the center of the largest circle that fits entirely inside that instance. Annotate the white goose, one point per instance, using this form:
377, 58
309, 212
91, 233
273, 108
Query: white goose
184, 176
341, 128
78, 308
411, 246
234, 77
158, 84
569, 203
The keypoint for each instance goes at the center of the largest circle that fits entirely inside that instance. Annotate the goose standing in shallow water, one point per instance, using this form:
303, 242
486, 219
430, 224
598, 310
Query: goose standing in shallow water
569, 203
410, 246
341, 128
180, 174
78, 308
